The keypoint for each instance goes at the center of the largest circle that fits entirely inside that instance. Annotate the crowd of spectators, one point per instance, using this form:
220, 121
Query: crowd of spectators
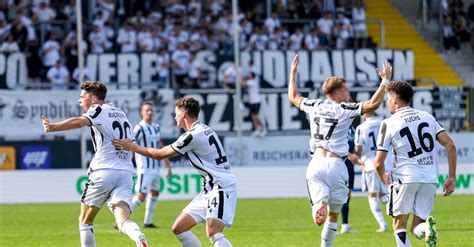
458, 26
45, 30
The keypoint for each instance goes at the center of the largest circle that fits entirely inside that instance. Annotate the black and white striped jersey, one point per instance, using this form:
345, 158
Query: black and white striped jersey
330, 122
366, 137
412, 134
202, 147
147, 135
109, 123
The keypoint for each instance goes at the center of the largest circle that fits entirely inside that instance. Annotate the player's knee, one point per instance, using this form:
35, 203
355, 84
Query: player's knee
154, 193
177, 229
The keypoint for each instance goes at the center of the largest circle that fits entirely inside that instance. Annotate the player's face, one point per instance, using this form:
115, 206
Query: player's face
85, 100
147, 113
344, 93
179, 117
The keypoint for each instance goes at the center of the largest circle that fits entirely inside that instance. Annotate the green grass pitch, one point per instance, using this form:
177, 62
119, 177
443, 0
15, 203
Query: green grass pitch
264, 222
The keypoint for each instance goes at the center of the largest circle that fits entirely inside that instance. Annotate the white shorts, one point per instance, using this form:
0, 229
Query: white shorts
416, 198
327, 178
216, 204
147, 182
108, 185
372, 183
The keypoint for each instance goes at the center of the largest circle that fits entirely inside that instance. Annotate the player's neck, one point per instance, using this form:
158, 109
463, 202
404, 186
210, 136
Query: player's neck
189, 122
148, 121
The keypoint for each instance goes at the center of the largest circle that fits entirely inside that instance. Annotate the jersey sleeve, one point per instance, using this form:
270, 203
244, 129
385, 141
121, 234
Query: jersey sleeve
184, 143
352, 109
307, 104
383, 142
94, 114
358, 137
438, 127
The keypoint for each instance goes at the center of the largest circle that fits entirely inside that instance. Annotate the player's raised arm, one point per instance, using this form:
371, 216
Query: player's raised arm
445, 140
374, 103
159, 154
68, 124
293, 95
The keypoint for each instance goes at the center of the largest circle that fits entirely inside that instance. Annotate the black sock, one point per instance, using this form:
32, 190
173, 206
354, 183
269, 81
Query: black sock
345, 212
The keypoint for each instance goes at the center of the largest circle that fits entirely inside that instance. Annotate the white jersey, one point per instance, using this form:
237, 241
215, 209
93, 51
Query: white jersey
330, 122
366, 137
412, 134
202, 147
109, 123
147, 135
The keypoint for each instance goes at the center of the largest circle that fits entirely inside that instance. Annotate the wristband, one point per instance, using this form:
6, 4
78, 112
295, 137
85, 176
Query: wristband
385, 82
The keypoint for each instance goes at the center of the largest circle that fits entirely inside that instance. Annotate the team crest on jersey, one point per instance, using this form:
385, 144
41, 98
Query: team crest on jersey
184, 140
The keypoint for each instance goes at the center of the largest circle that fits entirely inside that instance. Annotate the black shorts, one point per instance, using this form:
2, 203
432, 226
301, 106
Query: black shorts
350, 170
254, 108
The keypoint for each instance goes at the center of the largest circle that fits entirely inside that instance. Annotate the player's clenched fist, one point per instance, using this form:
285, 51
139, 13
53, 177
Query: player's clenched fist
45, 123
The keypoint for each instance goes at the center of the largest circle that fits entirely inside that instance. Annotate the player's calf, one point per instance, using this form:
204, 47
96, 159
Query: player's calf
322, 213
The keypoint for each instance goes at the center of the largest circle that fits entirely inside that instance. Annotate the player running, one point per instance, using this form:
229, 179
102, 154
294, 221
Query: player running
411, 133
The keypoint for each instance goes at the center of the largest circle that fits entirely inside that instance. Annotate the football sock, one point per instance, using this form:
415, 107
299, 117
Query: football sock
219, 240
188, 239
135, 203
345, 212
150, 208
328, 233
87, 235
419, 231
402, 238
384, 199
377, 211
131, 229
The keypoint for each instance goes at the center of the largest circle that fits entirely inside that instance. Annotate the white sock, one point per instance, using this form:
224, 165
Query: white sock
345, 226
377, 212
328, 233
131, 229
420, 230
188, 239
135, 203
384, 198
150, 208
401, 237
87, 235
219, 240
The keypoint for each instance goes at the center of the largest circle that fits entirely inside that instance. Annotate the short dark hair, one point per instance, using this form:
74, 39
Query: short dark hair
332, 84
98, 89
146, 102
402, 89
190, 104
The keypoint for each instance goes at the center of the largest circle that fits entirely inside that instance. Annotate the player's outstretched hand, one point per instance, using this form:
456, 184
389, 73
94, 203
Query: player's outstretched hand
386, 72
45, 123
294, 65
123, 144
449, 186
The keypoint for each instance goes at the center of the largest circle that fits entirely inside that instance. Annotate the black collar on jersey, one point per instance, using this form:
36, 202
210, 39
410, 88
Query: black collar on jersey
192, 125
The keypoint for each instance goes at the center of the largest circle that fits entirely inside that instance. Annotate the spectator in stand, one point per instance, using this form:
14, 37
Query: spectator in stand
163, 66
311, 41
4, 29
69, 11
145, 41
10, 46
272, 22
98, 40
100, 19
50, 53
252, 86
325, 25
127, 38
180, 63
71, 50
43, 12
258, 40
283, 38
107, 7
329, 6
19, 33
449, 37
76, 80
463, 33
58, 75
198, 40
33, 61
230, 77
315, 9
359, 25
194, 73
296, 39
342, 28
